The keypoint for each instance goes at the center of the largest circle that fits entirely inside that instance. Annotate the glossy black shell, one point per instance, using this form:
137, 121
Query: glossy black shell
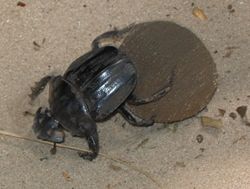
105, 77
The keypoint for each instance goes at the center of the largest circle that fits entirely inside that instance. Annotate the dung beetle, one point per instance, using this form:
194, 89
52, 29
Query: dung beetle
93, 88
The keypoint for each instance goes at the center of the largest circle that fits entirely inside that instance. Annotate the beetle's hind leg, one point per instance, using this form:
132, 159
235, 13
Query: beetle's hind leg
111, 38
134, 119
39, 87
134, 100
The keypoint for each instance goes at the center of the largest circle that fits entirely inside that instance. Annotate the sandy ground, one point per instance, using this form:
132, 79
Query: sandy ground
171, 157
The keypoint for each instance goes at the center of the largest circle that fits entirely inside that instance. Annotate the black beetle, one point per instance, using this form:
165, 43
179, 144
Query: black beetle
95, 86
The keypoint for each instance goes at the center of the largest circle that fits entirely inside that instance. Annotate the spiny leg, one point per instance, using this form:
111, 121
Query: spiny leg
39, 87
134, 119
89, 129
134, 100
111, 38
46, 128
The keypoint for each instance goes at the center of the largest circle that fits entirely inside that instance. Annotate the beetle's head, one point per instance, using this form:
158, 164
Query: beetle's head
47, 128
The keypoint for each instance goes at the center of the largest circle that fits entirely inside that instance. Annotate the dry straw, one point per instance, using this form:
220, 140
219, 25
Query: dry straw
123, 162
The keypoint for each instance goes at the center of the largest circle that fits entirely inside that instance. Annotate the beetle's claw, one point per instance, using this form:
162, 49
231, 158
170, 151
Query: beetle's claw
147, 123
87, 155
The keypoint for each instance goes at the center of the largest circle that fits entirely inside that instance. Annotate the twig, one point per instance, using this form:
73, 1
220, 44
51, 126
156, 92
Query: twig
124, 162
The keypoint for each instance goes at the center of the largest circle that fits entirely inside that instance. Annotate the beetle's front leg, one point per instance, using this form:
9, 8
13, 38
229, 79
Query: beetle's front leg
134, 119
39, 87
90, 131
